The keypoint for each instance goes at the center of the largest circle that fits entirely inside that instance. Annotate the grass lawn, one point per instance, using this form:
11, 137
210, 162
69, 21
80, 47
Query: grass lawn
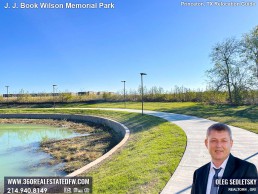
245, 117
145, 163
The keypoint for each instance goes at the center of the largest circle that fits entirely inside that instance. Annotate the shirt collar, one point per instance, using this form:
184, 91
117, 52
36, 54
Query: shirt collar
223, 165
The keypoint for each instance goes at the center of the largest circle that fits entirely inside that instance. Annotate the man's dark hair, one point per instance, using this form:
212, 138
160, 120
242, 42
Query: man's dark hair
219, 127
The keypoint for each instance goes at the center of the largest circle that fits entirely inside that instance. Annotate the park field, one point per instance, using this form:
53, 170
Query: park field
245, 117
155, 147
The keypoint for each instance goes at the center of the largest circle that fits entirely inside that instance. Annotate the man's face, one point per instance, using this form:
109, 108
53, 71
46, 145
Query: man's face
219, 145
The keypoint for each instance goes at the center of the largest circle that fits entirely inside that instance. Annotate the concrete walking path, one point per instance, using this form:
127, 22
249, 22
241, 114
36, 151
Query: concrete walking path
245, 147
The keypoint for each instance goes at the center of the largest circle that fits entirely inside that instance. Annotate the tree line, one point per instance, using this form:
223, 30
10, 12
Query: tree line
182, 94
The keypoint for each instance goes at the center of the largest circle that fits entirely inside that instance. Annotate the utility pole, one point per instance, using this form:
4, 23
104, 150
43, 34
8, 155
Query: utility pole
54, 103
142, 88
7, 94
124, 93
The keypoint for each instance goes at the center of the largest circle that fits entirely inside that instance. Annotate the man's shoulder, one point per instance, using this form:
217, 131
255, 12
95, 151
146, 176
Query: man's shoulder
242, 163
203, 168
237, 167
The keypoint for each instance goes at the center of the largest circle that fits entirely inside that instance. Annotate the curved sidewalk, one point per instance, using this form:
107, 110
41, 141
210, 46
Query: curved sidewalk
245, 147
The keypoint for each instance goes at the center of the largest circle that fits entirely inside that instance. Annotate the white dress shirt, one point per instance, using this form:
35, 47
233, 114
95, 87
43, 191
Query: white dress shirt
212, 173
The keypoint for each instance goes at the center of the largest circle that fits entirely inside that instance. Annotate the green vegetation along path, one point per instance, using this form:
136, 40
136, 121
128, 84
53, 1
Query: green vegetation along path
245, 147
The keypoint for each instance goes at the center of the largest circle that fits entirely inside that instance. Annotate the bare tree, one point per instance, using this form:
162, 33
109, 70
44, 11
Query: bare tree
250, 48
225, 56
231, 70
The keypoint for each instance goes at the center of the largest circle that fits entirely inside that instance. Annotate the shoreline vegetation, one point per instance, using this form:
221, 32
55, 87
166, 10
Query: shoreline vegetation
75, 152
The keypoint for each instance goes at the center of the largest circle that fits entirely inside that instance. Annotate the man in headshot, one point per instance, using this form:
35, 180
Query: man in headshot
223, 164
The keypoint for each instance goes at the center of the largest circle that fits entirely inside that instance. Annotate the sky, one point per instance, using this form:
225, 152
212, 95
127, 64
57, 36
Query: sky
95, 49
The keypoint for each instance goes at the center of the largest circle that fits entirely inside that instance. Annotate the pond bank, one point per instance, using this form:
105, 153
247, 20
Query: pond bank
78, 151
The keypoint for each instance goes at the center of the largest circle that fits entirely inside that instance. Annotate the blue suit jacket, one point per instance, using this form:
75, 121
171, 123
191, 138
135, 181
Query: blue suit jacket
235, 168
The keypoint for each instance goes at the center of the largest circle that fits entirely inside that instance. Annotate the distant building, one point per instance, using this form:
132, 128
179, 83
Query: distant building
86, 93
58, 94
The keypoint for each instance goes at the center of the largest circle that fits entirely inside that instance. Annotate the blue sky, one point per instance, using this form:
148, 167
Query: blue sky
94, 49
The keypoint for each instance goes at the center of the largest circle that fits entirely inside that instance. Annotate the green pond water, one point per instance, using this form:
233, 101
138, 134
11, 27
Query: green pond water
20, 154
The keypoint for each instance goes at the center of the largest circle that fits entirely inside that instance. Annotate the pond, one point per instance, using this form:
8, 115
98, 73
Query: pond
20, 154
